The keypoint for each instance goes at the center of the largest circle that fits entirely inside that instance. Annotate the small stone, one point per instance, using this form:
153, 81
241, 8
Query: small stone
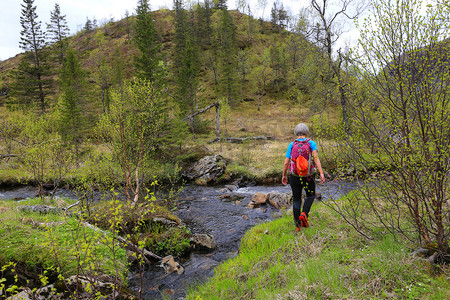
224, 196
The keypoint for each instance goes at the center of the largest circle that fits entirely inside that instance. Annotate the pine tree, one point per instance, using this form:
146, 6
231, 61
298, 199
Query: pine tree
30, 81
71, 106
88, 26
186, 64
220, 4
181, 28
59, 31
203, 29
228, 63
147, 42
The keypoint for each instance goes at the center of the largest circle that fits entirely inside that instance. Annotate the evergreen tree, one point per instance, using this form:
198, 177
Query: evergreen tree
220, 4
88, 26
274, 15
228, 64
278, 16
72, 83
23, 89
181, 29
29, 78
59, 31
203, 29
278, 60
186, 63
146, 39
127, 23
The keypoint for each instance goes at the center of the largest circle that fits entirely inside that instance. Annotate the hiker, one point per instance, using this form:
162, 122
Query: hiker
302, 173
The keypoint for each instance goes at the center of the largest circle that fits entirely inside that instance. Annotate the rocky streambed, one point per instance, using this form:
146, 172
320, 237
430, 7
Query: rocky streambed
224, 213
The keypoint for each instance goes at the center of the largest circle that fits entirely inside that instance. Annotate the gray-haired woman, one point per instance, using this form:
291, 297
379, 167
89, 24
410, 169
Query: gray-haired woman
302, 179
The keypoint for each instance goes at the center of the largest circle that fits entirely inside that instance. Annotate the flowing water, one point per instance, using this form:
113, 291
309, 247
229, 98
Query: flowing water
226, 219
204, 210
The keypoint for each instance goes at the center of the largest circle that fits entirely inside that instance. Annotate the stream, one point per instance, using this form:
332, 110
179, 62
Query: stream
204, 210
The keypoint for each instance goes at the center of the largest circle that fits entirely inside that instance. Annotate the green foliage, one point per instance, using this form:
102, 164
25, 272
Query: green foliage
72, 118
102, 72
58, 31
326, 260
136, 128
45, 241
147, 42
173, 240
186, 66
139, 223
403, 116
29, 82
226, 34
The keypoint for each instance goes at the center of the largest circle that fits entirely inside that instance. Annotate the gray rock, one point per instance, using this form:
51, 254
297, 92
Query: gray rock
207, 169
42, 209
83, 284
165, 221
279, 200
203, 242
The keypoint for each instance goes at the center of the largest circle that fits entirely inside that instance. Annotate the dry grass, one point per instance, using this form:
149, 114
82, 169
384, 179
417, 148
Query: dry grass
276, 119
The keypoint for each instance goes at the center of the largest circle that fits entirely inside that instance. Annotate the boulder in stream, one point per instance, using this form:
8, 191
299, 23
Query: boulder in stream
169, 264
207, 170
259, 198
279, 200
203, 242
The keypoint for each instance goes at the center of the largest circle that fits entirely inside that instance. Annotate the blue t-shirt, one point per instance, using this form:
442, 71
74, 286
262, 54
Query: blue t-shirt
312, 144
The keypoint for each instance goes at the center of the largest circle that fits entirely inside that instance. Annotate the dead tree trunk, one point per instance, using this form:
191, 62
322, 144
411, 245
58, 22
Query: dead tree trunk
217, 106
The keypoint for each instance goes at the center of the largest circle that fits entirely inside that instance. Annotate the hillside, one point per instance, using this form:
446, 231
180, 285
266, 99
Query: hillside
263, 37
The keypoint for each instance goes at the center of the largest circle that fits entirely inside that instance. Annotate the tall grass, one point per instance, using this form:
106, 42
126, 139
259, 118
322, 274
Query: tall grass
328, 260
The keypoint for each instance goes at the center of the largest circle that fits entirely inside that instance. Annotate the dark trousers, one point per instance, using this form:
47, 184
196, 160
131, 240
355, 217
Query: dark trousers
297, 186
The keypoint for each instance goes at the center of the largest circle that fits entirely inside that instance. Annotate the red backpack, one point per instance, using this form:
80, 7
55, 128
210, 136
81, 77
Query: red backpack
301, 163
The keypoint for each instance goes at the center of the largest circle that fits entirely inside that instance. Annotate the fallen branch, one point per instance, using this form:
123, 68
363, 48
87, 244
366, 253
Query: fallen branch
130, 245
216, 104
9, 155
70, 206
241, 140
143, 252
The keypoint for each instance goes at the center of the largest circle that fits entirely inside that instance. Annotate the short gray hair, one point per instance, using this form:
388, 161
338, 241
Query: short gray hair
301, 129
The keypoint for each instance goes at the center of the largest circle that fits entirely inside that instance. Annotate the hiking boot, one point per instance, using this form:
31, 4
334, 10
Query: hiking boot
303, 220
298, 228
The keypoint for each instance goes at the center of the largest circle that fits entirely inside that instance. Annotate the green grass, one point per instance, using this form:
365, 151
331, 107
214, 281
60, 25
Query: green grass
38, 242
328, 260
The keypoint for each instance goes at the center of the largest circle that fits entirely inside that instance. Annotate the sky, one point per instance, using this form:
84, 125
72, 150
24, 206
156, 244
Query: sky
76, 12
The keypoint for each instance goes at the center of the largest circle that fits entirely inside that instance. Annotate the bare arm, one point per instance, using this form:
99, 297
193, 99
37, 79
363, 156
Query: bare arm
318, 165
284, 179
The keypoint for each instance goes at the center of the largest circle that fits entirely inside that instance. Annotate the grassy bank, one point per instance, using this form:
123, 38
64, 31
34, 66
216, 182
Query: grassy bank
328, 260
41, 244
